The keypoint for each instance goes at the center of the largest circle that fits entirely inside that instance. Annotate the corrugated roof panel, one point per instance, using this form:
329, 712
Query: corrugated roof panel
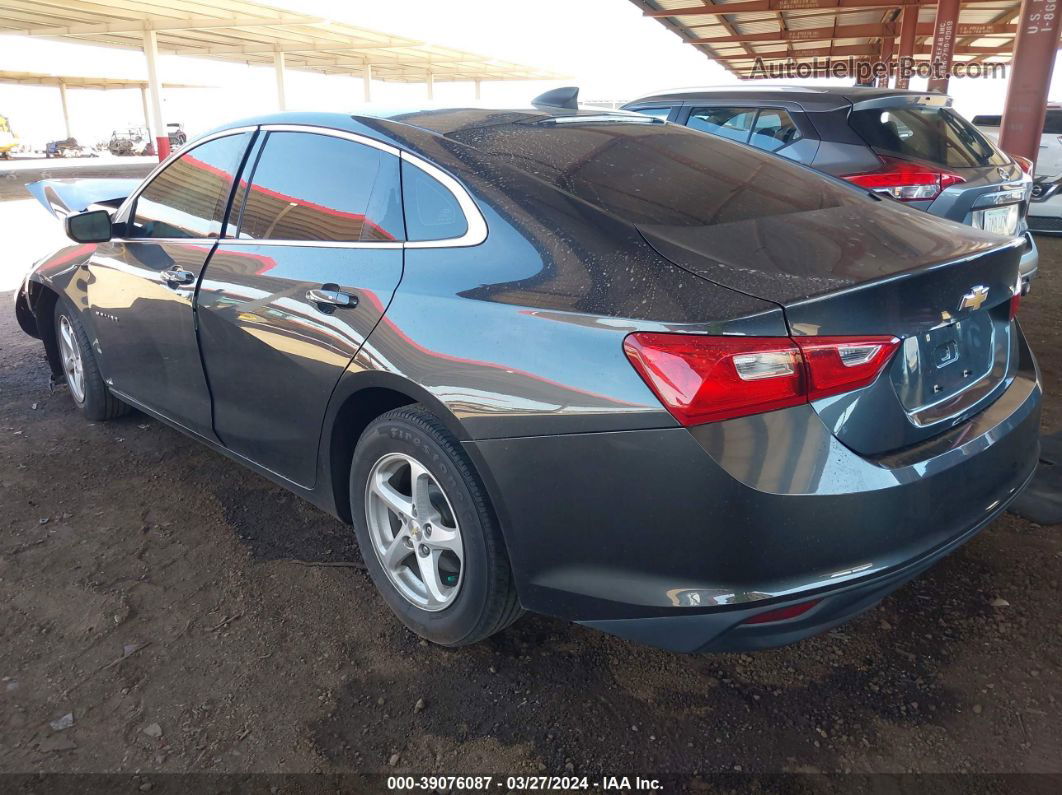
251, 32
760, 24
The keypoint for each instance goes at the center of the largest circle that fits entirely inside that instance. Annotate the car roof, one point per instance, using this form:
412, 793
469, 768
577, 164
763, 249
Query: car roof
441, 120
810, 97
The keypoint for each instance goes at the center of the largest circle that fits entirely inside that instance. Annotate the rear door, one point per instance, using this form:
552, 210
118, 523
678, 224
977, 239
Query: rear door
141, 286
290, 298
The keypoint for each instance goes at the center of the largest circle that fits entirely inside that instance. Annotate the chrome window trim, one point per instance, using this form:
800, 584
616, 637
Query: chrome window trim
313, 243
475, 234
332, 132
188, 147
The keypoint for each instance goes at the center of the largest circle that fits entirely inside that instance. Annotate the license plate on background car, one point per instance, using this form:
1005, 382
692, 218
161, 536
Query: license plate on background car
1001, 220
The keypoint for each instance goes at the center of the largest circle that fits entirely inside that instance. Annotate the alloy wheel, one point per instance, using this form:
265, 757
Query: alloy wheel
70, 353
414, 532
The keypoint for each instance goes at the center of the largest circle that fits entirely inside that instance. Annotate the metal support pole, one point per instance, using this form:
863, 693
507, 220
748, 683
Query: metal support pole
66, 110
158, 128
888, 44
943, 44
366, 82
144, 102
431, 85
1030, 78
278, 66
478, 87
908, 29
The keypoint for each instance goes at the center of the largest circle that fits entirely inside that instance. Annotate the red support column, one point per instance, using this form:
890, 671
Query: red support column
908, 29
1030, 78
888, 44
943, 44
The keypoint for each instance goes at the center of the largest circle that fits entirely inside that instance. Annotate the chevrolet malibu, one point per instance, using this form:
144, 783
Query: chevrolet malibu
586, 364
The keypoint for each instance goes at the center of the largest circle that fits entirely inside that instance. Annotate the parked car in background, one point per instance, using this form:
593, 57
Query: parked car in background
1045, 209
583, 363
1049, 159
131, 141
910, 146
67, 147
178, 137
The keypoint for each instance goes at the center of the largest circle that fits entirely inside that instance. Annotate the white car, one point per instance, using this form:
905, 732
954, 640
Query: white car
1045, 209
1049, 158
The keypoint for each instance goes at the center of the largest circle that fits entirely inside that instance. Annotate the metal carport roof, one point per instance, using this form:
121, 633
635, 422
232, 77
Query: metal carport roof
736, 32
80, 81
252, 33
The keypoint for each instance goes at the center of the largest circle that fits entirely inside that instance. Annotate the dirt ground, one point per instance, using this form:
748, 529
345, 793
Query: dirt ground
190, 616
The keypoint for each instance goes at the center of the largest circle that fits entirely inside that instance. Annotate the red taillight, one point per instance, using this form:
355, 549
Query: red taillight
782, 613
841, 364
906, 181
1024, 163
705, 379
702, 379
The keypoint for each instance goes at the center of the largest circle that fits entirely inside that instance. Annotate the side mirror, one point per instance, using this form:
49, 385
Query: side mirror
90, 227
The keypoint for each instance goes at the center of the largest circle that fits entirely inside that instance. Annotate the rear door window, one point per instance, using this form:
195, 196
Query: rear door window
432, 211
310, 187
732, 123
773, 129
938, 135
189, 197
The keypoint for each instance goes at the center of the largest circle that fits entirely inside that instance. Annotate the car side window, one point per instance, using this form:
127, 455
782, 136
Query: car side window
189, 197
773, 129
656, 113
432, 211
315, 187
732, 123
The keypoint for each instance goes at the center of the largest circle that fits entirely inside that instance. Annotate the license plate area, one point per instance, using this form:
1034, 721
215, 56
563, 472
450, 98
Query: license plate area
999, 220
943, 362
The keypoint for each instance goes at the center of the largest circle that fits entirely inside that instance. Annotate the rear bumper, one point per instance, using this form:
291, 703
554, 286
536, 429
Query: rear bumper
675, 537
723, 630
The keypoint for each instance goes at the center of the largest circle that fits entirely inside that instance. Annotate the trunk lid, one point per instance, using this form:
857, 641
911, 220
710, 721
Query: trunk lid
944, 289
63, 197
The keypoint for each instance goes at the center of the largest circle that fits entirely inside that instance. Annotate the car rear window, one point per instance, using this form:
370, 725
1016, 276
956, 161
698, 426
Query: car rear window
659, 173
1053, 122
938, 135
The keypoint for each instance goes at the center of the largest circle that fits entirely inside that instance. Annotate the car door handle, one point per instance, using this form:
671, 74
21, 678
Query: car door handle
331, 297
176, 276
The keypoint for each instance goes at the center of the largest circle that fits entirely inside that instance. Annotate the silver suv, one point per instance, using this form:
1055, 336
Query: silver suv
913, 147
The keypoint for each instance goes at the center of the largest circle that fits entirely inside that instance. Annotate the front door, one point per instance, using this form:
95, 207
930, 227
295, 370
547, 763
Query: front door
141, 286
285, 304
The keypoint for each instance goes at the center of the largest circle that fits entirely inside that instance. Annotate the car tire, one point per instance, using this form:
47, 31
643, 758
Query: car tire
82, 374
483, 599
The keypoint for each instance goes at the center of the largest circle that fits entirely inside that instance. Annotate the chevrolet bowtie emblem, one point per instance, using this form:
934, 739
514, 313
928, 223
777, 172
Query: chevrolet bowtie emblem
973, 299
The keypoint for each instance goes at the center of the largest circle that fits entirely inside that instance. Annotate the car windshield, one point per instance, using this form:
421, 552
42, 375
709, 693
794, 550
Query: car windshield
938, 135
658, 173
